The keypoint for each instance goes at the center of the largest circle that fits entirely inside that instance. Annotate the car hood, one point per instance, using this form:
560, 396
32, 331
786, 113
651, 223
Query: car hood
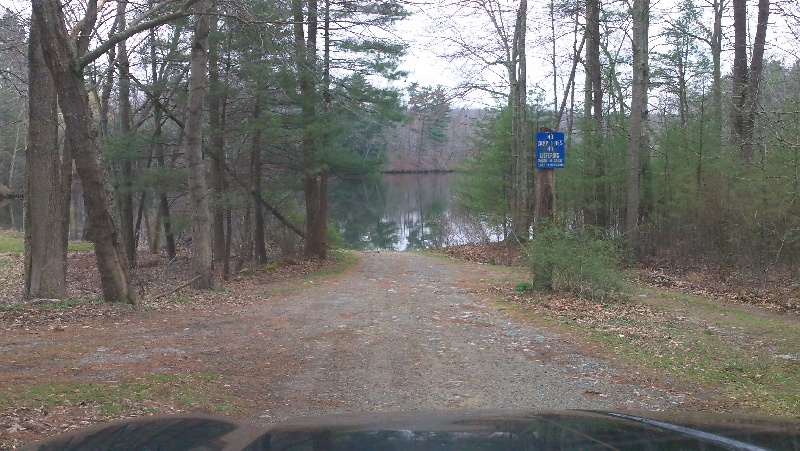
442, 430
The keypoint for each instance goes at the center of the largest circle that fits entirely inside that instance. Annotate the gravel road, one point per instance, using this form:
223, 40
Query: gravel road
405, 331
401, 331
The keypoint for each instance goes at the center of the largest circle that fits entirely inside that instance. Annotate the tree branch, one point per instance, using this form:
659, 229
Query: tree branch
266, 205
86, 59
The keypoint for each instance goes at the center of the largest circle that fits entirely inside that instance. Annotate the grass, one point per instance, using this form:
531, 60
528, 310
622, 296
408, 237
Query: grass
79, 246
523, 286
728, 350
281, 290
191, 390
342, 261
55, 304
11, 241
182, 299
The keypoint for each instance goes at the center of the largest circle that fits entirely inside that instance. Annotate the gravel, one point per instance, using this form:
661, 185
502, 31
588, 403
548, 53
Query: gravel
404, 332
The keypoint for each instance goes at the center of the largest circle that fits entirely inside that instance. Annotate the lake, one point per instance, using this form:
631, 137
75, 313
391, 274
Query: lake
401, 211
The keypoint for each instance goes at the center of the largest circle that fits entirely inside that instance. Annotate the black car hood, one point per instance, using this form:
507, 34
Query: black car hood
442, 430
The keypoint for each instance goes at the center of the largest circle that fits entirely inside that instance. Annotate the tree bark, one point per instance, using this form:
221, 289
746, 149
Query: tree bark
746, 81
520, 215
158, 147
598, 216
739, 73
750, 106
193, 151
125, 187
216, 147
306, 49
638, 116
255, 176
46, 204
112, 264
716, 58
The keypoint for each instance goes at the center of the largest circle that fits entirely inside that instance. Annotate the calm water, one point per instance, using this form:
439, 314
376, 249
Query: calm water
401, 211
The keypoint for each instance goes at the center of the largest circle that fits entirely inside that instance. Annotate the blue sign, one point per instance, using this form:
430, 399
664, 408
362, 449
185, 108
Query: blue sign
549, 150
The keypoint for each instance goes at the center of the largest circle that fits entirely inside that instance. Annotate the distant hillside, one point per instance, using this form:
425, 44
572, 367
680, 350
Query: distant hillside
417, 146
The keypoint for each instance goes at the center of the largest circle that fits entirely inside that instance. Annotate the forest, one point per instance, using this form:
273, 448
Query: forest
219, 126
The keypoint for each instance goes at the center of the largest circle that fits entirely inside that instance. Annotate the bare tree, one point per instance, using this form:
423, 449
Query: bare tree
193, 150
125, 193
593, 111
46, 204
638, 117
520, 170
66, 55
112, 264
746, 80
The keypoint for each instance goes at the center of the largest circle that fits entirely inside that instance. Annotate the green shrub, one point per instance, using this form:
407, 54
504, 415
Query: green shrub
573, 261
523, 286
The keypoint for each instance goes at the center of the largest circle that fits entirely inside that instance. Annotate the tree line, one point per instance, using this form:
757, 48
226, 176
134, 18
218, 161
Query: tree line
228, 121
222, 120
682, 139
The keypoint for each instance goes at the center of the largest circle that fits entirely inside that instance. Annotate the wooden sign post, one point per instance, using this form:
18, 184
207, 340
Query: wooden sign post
549, 156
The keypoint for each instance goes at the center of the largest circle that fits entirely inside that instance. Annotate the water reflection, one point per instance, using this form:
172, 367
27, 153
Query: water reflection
400, 211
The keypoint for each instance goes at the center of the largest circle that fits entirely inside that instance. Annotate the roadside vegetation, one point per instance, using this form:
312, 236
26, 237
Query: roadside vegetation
11, 241
47, 406
146, 395
574, 261
736, 358
729, 355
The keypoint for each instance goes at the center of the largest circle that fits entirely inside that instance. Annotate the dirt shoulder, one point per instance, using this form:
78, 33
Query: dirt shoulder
399, 331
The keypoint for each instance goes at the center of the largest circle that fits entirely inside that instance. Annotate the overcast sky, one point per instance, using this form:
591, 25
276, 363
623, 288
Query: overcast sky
429, 29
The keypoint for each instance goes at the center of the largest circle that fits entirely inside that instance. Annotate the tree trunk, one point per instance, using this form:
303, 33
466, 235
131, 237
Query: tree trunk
716, 57
599, 216
112, 264
545, 196
754, 82
46, 204
746, 81
125, 187
216, 148
193, 151
158, 151
638, 116
245, 244
226, 259
739, 75
522, 136
306, 49
322, 220
521, 208
255, 176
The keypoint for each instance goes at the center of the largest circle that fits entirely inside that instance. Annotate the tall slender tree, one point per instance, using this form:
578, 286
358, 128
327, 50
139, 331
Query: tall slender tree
66, 70
593, 114
746, 80
124, 192
638, 116
521, 214
46, 204
193, 150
